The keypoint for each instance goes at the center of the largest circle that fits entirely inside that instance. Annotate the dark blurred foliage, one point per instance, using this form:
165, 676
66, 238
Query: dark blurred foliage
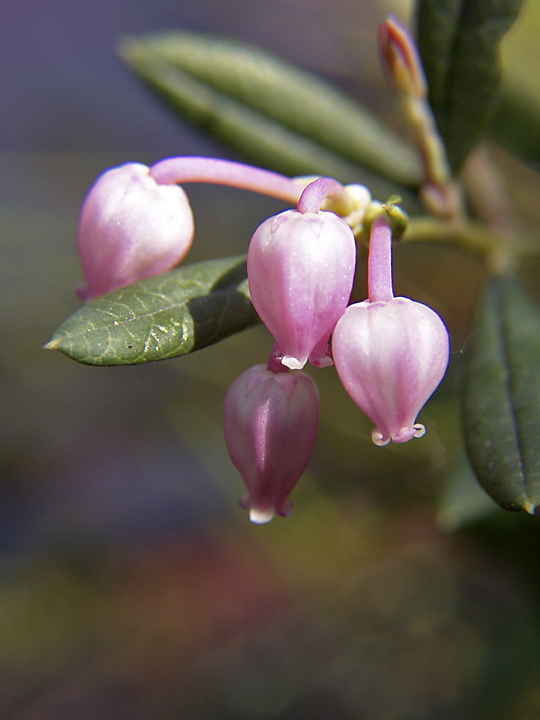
131, 584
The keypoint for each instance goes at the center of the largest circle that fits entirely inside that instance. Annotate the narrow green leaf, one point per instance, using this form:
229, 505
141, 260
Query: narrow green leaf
502, 396
162, 317
437, 27
283, 96
459, 45
516, 124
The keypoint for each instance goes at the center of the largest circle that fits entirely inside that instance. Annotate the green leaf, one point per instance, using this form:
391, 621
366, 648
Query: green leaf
502, 396
516, 124
161, 317
459, 45
230, 89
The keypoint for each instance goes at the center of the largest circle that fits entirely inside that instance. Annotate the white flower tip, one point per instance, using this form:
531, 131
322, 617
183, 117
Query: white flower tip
260, 517
407, 433
292, 363
379, 438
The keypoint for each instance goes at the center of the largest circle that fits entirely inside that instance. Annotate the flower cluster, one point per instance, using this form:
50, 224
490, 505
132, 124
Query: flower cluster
390, 352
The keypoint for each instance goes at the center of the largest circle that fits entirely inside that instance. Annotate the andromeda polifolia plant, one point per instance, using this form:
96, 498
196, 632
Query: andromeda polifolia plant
353, 188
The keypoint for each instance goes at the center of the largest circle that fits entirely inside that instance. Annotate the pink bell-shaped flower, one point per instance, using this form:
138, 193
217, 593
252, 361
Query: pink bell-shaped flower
301, 271
270, 421
390, 357
131, 228
390, 353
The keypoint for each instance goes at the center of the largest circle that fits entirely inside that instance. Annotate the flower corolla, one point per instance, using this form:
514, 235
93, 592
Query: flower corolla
270, 422
390, 357
301, 271
131, 228
390, 352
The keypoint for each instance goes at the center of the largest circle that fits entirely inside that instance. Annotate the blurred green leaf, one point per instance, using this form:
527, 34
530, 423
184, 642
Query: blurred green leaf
516, 124
459, 45
231, 89
502, 396
161, 317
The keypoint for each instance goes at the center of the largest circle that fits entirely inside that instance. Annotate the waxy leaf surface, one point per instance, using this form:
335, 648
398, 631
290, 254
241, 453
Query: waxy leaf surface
502, 396
459, 45
161, 317
248, 97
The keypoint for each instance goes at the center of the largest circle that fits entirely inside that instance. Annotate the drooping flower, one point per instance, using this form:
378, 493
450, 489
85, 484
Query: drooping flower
131, 228
390, 353
270, 422
301, 270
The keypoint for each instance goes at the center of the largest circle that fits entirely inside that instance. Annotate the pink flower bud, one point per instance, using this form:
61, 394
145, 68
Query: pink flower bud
400, 58
301, 271
270, 425
131, 228
390, 357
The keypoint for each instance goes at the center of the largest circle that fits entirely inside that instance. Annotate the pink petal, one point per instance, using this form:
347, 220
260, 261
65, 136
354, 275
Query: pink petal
390, 357
301, 271
270, 422
131, 228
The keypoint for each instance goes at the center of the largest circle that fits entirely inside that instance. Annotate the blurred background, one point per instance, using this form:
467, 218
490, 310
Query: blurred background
131, 583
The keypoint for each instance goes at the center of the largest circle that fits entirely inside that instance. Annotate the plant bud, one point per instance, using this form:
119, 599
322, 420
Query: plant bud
131, 228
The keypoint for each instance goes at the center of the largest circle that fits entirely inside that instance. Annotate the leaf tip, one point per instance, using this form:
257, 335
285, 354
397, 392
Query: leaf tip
53, 344
530, 507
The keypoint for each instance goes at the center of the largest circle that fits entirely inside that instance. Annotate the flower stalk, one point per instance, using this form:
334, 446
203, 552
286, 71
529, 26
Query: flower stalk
180, 170
400, 60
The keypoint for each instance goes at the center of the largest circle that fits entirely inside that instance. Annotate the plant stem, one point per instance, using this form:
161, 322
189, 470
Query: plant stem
380, 286
224, 172
322, 189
